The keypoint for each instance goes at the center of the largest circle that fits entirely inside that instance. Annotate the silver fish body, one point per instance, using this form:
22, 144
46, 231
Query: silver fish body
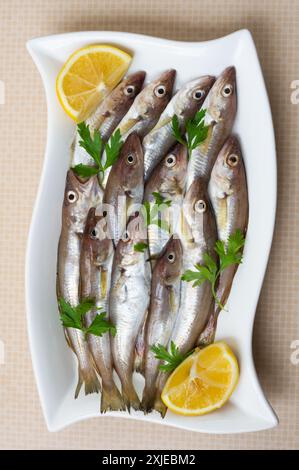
221, 106
165, 295
125, 186
168, 179
147, 107
78, 198
109, 114
129, 300
95, 273
185, 103
198, 236
229, 198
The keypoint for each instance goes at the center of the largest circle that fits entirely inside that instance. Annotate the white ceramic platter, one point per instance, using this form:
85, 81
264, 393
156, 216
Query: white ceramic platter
54, 363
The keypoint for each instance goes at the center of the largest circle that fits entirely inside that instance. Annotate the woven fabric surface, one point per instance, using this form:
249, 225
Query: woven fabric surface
275, 28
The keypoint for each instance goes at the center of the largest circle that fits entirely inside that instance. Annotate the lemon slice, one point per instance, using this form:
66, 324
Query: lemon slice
88, 76
203, 382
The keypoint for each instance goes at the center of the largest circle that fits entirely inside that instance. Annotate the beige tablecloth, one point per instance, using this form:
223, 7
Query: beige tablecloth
275, 28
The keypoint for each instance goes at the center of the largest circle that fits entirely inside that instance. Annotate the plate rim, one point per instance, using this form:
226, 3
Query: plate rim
33, 47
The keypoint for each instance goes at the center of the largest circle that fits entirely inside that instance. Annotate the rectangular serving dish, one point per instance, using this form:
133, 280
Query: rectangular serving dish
54, 363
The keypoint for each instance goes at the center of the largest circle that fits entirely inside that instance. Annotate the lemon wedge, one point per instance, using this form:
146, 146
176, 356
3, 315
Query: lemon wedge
88, 76
203, 382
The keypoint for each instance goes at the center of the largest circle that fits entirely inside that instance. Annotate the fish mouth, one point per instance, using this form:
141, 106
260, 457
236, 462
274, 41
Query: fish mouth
168, 77
78, 180
206, 81
232, 145
137, 78
229, 74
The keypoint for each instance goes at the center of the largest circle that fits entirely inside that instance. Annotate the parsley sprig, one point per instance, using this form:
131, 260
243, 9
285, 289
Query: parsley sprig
196, 131
94, 146
152, 213
140, 247
73, 317
171, 359
210, 271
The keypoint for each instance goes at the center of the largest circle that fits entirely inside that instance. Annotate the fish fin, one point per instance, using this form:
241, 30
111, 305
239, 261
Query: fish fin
90, 380
130, 397
127, 126
204, 146
67, 339
207, 336
148, 399
146, 406
111, 399
162, 123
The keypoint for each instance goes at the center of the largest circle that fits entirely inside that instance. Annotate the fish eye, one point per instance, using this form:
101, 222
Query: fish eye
200, 206
72, 196
232, 160
227, 90
126, 236
160, 91
171, 257
130, 160
94, 233
170, 161
129, 90
198, 94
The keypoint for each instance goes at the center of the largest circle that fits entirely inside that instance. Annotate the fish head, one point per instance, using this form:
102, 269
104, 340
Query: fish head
198, 217
130, 168
192, 95
157, 94
135, 232
174, 169
169, 263
96, 240
128, 89
79, 196
229, 167
222, 99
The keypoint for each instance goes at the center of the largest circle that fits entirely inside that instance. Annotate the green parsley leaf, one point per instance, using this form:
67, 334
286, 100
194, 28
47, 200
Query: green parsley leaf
209, 271
85, 170
140, 247
93, 146
73, 317
152, 212
112, 149
69, 317
172, 358
159, 199
176, 130
100, 325
196, 131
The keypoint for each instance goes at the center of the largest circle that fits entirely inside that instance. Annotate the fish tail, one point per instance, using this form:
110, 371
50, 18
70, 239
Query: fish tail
147, 402
111, 399
160, 407
130, 397
89, 378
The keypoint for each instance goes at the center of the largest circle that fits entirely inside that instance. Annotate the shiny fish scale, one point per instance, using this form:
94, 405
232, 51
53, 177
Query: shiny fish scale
161, 138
